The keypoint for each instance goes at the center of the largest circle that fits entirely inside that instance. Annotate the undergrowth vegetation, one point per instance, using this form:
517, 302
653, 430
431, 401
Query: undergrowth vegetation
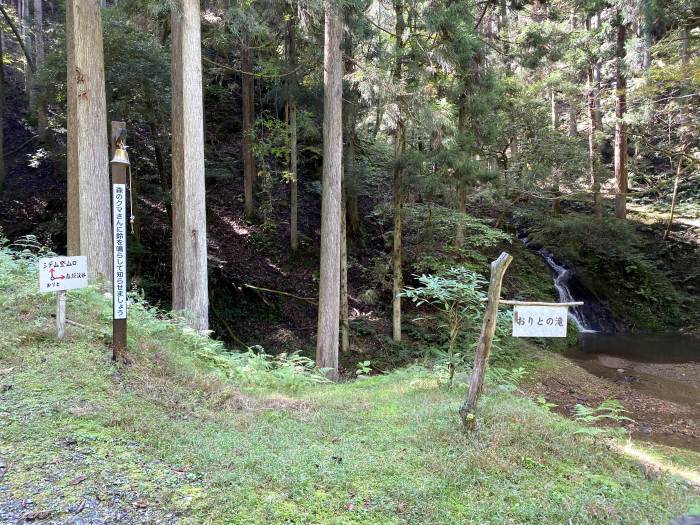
185, 431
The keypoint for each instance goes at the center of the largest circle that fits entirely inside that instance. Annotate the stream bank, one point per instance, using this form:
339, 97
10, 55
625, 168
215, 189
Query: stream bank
656, 376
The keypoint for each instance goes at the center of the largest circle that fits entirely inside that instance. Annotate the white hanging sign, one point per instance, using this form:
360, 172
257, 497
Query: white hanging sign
119, 232
539, 321
62, 273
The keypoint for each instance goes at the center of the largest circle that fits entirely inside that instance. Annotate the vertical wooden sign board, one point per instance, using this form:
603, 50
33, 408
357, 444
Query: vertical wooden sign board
119, 166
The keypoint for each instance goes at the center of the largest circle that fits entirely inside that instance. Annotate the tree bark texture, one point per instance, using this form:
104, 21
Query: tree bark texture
248, 111
620, 127
190, 287
89, 208
329, 288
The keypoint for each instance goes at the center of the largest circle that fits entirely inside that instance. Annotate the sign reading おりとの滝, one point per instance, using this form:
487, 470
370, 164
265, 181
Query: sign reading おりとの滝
539, 321
62, 273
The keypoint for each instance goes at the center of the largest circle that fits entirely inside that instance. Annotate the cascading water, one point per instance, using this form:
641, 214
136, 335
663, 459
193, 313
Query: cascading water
562, 277
592, 317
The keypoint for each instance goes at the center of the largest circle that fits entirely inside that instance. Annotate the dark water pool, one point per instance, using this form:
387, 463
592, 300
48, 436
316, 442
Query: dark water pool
663, 366
645, 348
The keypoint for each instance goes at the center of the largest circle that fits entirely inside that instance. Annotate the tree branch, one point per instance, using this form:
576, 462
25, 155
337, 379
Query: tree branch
12, 25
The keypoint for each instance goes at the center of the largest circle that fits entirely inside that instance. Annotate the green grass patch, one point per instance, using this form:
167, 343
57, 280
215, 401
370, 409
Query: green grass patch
188, 431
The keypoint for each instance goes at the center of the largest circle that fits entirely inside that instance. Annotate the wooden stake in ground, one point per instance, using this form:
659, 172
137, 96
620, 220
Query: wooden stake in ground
61, 314
498, 270
120, 165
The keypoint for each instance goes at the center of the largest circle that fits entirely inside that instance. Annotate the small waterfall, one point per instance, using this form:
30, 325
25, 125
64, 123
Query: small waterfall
562, 283
562, 277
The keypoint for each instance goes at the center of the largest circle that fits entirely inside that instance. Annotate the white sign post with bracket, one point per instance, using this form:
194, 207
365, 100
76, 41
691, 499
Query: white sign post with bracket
59, 274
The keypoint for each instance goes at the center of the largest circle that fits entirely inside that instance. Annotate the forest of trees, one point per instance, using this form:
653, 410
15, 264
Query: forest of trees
447, 104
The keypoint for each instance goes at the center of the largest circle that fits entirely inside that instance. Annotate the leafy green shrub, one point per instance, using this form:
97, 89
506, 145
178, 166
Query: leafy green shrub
456, 298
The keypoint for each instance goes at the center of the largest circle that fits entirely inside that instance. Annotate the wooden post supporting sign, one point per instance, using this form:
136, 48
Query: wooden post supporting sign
119, 168
59, 274
498, 270
61, 314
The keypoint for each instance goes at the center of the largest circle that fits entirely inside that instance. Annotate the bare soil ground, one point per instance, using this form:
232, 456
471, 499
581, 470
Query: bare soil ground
672, 422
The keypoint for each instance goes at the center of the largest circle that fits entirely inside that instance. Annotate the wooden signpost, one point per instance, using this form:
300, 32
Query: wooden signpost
59, 274
119, 166
530, 319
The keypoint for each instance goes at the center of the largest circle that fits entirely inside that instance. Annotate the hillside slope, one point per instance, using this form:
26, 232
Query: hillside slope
185, 432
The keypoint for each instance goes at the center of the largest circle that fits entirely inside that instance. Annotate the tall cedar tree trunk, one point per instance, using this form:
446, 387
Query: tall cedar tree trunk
40, 56
398, 172
329, 288
89, 212
2, 112
620, 127
292, 122
190, 291
248, 110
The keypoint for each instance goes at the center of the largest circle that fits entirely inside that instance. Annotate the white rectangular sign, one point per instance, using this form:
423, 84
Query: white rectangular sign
119, 232
539, 321
62, 273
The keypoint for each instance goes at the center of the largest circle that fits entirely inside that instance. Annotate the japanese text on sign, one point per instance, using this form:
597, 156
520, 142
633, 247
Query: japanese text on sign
539, 321
119, 232
62, 273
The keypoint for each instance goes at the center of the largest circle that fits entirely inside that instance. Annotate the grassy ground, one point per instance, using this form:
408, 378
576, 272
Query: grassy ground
185, 433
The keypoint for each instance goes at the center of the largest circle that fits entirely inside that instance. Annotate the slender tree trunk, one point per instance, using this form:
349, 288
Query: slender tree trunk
39, 61
620, 127
685, 56
344, 306
248, 110
505, 34
190, 287
2, 112
89, 212
461, 212
594, 122
556, 172
676, 183
554, 110
292, 116
162, 174
329, 288
399, 149
23, 15
573, 127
